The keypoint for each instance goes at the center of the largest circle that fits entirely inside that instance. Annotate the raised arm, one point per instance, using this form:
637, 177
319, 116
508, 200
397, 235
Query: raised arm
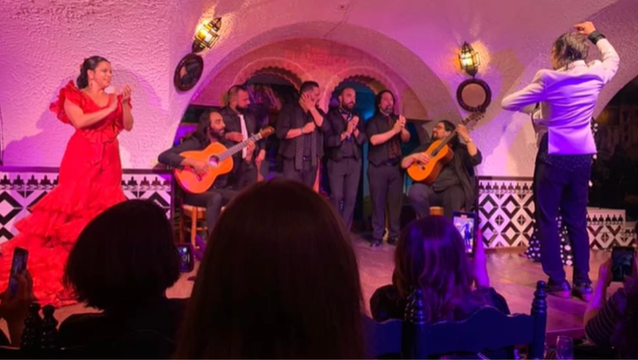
531, 94
127, 115
381, 138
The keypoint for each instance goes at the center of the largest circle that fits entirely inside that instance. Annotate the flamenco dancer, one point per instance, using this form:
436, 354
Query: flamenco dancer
89, 180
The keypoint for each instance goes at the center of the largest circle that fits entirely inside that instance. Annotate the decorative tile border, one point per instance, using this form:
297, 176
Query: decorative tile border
506, 210
505, 204
21, 188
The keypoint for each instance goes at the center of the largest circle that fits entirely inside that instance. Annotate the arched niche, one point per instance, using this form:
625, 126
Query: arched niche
368, 76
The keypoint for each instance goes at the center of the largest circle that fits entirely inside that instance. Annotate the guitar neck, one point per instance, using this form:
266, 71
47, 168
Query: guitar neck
238, 147
453, 134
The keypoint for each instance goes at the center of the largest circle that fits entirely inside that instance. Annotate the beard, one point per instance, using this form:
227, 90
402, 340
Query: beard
388, 109
219, 134
349, 107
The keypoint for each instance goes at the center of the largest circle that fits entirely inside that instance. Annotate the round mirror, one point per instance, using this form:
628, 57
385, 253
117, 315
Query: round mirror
474, 95
188, 72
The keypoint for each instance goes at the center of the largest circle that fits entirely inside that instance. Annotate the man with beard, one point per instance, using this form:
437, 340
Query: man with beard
345, 136
386, 131
299, 127
241, 124
211, 129
452, 189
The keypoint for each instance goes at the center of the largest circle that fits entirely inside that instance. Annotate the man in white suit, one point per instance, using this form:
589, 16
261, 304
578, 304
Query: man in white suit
566, 97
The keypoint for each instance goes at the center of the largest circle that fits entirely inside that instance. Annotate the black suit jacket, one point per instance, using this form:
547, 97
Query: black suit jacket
335, 125
378, 124
292, 116
232, 121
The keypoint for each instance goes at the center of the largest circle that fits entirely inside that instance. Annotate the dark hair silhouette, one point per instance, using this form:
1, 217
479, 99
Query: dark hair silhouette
570, 47
88, 64
307, 86
430, 254
279, 280
124, 258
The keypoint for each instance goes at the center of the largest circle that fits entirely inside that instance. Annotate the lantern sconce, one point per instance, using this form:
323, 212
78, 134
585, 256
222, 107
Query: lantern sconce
207, 35
469, 59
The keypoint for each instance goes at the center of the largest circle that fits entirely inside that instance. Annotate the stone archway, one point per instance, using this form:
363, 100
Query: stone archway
284, 68
368, 76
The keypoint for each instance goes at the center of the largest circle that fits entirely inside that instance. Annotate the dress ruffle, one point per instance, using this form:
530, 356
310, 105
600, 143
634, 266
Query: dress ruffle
50, 232
98, 133
71, 92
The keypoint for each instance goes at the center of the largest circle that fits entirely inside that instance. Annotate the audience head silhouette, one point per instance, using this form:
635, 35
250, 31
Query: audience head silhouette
431, 254
124, 258
279, 279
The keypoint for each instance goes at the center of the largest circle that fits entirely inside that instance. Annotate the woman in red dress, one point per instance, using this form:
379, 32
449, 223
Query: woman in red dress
89, 180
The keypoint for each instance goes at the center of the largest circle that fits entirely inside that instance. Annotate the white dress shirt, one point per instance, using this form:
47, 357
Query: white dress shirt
244, 133
567, 97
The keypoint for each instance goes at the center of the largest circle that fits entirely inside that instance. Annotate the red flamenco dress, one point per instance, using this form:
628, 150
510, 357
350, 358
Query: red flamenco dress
89, 183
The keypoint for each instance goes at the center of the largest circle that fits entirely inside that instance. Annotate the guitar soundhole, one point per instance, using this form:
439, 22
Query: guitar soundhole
422, 167
214, 160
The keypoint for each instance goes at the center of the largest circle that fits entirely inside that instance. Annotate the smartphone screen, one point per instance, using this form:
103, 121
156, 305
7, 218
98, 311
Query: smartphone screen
465, 223
186, 258
18, 265
622, 260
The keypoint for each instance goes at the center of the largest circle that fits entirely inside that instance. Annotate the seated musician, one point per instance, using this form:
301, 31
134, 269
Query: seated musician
452, 189
210, 130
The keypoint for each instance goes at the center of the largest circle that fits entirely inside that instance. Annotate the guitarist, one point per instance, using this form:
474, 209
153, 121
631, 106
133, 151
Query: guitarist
452, 189
211, 129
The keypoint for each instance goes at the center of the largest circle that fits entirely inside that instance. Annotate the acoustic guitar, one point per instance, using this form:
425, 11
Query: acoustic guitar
219, 156
440, 155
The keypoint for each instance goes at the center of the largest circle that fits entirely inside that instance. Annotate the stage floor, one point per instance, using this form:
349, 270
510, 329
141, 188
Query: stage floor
512, 276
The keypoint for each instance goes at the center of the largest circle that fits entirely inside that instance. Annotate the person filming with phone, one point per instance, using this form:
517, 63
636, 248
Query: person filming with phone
453, 289
610, 322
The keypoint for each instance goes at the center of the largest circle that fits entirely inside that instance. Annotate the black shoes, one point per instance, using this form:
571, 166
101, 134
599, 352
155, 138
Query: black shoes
582, 291
562, 289
393, 241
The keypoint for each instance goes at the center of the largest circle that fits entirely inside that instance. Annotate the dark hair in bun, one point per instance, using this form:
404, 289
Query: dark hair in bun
88, 64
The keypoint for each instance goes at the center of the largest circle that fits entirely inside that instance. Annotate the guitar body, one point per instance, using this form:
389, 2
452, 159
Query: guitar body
427, 173
196, 184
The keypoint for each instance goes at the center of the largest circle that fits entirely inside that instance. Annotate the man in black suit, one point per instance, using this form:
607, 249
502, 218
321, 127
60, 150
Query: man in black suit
241, 124
345, 136
299, 127
386, 132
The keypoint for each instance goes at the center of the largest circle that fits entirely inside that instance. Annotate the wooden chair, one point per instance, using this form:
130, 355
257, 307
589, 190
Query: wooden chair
487, 329
192, 220
195, 216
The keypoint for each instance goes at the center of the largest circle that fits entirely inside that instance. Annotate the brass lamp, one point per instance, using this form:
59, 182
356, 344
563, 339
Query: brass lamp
207, 35
469, 59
